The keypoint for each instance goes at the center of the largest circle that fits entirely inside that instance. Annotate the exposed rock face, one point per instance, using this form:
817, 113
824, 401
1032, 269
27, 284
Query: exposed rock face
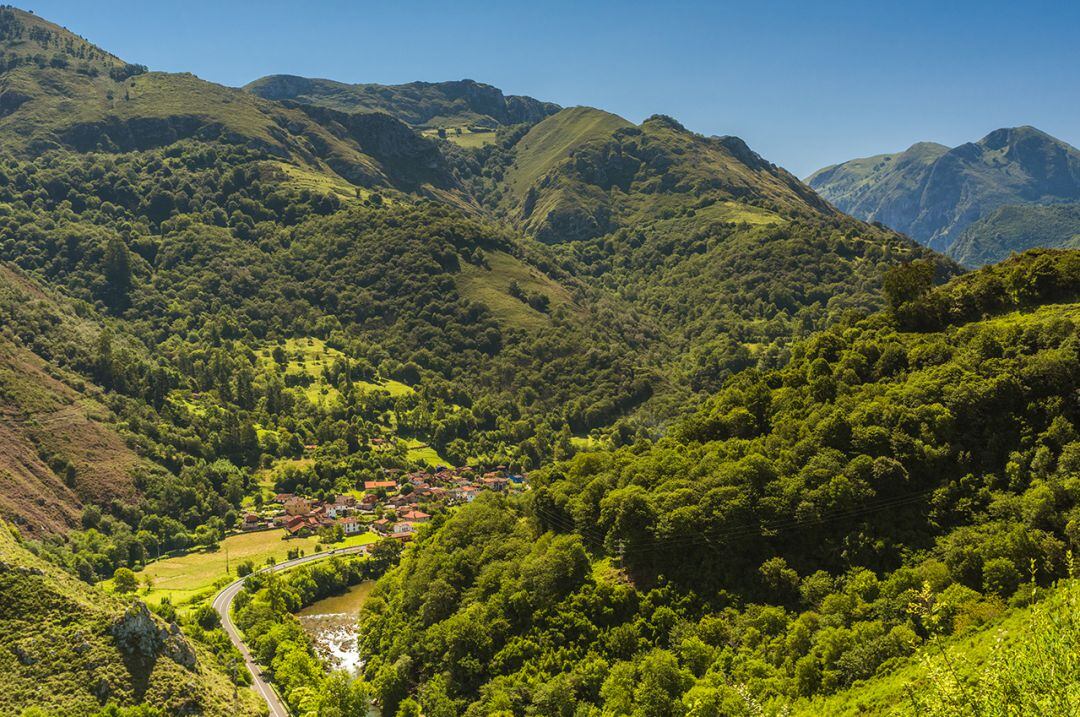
416, 103
406, 157
178, 649
933, 193
142, 636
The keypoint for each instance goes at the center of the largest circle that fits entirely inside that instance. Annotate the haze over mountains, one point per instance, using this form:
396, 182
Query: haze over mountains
935, 193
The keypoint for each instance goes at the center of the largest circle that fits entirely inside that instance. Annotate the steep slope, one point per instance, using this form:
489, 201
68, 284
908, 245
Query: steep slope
933, 194
583, 173
463, 103
726, 254
1023, 662
898, 479
68, 648
211, 222
85, 100
857, 185
1016, 228
60, 446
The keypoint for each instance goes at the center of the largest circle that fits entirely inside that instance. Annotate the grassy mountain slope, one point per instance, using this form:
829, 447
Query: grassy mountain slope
808, 527
68, 648
727, 255
933, 195
235, 228
583, 173
463, 103
1022, 662
105, 105
1015, 228
858, 183
579, 174
59, 443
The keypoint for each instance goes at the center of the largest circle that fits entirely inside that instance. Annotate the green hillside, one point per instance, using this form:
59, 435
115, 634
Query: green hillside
66, 648
1015, 228
255, 220
583, 173
724, 255
859, 181
1023, 662
554, 140
776, 455
933, 193
102, 104
61, 447
806, 529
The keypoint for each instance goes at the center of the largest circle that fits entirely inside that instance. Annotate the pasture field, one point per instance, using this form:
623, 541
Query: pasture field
196, 576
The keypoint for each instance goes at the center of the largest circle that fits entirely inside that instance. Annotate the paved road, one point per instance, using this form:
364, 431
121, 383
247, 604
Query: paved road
223, 602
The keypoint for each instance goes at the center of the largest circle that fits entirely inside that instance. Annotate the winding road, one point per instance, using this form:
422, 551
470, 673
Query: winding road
223, 602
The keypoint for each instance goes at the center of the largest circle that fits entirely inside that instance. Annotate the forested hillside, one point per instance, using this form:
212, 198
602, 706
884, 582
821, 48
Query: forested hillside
201, 216
771, 450
67, 649
1015, 228
62, 448
900, 477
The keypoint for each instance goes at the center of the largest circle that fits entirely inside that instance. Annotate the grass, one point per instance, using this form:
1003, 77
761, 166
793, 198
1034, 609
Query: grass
1027, 662
189, 579
467, 137
326, 182
550, 141
423, 453
394, 388
491, 287
308, 357
585, 443
196, 405
267, 477
52, 420
57, 651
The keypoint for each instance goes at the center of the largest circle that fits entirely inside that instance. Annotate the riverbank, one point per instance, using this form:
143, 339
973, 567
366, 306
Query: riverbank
332, 625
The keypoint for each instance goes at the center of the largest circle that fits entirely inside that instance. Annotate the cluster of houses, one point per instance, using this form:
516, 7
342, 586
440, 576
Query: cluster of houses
397, 499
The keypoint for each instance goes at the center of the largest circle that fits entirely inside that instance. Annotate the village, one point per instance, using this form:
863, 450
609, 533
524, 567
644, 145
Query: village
389, 507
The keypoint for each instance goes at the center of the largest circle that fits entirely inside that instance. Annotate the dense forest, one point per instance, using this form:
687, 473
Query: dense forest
902, 477
773, 452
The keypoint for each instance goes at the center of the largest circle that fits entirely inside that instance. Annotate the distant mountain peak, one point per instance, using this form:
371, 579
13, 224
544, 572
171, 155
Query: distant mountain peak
1010, 135
933, 193
24, 33
453, 103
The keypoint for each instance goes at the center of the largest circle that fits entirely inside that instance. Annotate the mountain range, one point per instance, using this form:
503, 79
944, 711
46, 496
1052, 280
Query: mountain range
949, 198
212, 294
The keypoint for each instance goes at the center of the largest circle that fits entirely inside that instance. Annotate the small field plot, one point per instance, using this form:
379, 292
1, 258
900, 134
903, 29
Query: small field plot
423, 453
492, 288
196, 576
307, 359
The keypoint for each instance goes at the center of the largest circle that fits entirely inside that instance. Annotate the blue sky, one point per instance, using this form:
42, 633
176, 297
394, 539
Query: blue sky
805, 84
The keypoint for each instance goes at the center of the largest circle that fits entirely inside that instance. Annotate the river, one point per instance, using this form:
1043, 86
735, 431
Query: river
331, 623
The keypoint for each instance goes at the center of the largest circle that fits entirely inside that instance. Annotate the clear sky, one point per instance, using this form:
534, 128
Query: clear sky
806, 84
